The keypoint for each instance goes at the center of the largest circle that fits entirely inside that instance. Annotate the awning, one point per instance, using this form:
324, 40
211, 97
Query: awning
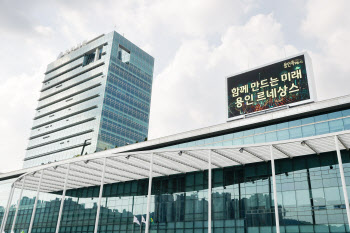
87, 170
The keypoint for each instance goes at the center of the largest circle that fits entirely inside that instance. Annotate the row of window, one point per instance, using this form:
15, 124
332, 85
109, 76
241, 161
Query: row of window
137, 81
306, 127
120, 129
114, 103
109, 113
181, 201
126, 99
122, 84
113, 139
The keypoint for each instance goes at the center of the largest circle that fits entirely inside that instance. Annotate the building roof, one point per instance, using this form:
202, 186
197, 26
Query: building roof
86, 171
255, 121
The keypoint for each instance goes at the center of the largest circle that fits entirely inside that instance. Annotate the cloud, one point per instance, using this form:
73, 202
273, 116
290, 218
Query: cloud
196, 44
44, 30
189, 93
18, 103
327, 25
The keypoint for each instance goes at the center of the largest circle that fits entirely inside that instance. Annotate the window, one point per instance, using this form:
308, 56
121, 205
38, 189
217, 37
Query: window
89, 58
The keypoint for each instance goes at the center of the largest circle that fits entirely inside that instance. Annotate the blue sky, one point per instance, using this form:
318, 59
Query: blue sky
196, 44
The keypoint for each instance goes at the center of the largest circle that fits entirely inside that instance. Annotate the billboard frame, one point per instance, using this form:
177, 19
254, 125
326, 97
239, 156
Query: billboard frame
310, 80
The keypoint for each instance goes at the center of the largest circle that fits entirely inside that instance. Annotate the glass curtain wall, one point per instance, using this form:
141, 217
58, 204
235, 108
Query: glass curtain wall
309, 192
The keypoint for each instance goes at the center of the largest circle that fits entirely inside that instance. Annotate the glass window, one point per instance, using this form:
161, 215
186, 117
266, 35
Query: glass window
228, 136
259, 138
346, 112
332, 196
303, 198
334, 115
308, 120
346, 123
323, 117
294, 123
282, 125
208, 140
248, 132
295, 133
289, 199
271, 137
336, 125
308, 130
322, 128
249, 140
259, 130
237, 142
283, 135
271, 128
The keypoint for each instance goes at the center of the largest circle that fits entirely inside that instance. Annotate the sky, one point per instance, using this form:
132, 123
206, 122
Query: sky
196, 44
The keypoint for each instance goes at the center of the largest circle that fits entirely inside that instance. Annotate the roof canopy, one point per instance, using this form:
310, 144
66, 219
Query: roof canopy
87, 170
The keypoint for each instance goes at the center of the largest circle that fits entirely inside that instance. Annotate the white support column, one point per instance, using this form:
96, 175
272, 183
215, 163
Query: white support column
149, 194
274, 190
209, 192
4, 218
343, 183
96, 54
100, 195
62, 200
18, 205
35, 203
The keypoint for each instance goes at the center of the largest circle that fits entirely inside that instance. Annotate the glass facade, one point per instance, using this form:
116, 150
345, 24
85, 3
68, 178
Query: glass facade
93, 98
303, 127
126, 106
309, 196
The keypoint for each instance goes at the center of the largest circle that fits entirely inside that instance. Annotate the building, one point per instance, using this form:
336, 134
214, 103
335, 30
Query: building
282, 165
94, 97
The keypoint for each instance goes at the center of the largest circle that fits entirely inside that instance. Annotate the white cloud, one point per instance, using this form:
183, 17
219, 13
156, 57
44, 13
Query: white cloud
18, 103
327, 24
195, 45
190, 93
44, 30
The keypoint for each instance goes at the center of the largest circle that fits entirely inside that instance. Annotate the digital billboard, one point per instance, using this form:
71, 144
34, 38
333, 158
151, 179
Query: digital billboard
285, 82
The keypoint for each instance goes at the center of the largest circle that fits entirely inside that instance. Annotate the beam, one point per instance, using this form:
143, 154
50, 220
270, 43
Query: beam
62, 200
343, 144
161, 165
274, 190
4, 218
255, 155
179, 161
285, 153
304, 143
18, 205
228, 157
100, 195
121, 169
199, 158
209, 191
137, 166
342, 176
35, 203
149, 194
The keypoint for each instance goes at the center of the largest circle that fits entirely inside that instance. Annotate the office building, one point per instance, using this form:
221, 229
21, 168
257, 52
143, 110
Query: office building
95, 96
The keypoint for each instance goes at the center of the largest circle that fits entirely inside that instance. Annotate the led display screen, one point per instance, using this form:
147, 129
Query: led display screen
274, 85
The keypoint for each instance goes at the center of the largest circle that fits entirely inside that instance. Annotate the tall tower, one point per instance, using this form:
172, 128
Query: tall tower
96, 96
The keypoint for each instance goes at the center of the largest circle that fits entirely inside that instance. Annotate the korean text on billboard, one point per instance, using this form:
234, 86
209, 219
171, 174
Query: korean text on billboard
271, 86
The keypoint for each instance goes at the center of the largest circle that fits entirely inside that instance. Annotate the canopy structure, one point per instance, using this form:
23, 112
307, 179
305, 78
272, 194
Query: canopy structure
107, 167
86, 171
